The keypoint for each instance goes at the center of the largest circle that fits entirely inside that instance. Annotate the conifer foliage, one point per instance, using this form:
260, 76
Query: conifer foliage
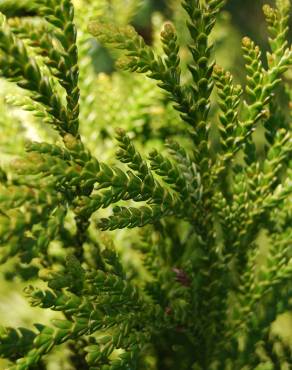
200, 299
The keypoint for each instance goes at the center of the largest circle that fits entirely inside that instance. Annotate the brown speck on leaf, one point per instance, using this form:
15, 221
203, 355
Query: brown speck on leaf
168, 311
181, 277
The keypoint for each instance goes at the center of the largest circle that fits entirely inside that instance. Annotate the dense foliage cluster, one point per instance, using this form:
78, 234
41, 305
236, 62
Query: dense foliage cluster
207, 269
